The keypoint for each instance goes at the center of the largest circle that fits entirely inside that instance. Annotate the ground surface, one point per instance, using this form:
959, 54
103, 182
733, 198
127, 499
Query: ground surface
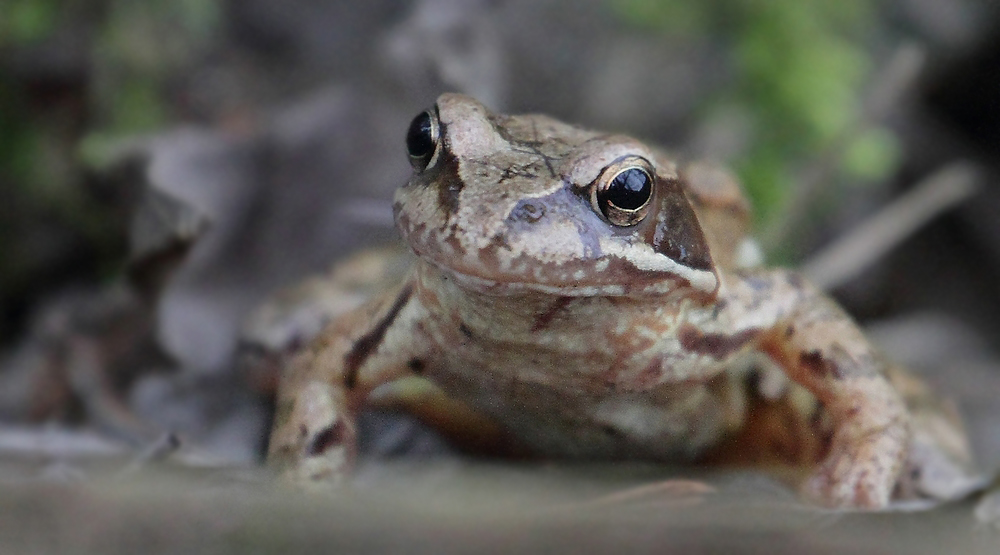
480, 508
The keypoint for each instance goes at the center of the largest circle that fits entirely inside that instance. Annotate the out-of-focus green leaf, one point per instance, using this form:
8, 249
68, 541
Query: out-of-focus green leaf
138, 106
26, 21
676, 17
766, 179
800, 68
873, 155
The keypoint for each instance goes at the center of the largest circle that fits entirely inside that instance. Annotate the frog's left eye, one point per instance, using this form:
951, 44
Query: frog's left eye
623, 190
422, 140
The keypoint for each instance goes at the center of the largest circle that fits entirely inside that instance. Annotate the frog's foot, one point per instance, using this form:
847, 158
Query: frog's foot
933, 475
860, 472
314, 440
940, 466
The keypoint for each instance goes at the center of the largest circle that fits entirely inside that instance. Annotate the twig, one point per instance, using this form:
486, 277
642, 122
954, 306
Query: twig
869, 241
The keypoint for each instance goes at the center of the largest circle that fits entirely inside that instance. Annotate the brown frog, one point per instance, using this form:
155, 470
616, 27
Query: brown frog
594, 299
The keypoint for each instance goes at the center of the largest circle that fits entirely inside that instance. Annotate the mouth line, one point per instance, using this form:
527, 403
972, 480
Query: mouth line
500, 287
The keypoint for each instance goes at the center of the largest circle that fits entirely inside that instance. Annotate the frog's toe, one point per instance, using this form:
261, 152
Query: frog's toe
861, 470
861, 478
329, 454
843, 485
321, 457
937, 474
314, 443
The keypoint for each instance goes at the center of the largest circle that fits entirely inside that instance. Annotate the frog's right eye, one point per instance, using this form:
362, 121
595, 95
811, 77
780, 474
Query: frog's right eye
422, 140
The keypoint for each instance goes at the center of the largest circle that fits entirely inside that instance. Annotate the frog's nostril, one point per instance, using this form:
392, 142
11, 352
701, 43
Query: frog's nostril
529, 211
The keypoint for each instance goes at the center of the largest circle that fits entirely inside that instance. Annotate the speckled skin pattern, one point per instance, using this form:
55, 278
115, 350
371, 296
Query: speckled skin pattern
580, 337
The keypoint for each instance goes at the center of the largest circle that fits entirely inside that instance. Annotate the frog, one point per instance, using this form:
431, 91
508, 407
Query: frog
585, 296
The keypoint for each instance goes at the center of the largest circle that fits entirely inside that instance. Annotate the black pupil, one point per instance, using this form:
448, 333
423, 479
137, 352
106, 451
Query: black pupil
629, 189
419, 138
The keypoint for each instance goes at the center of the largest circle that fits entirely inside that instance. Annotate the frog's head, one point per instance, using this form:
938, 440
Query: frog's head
515, 203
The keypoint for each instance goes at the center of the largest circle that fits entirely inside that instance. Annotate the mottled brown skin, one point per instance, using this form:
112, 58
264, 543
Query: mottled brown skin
585, 338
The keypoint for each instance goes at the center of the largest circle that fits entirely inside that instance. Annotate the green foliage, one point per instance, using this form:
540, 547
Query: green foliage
132, 50
674, 17
872, 155
140, 45
16, 140
800, 66
26, 21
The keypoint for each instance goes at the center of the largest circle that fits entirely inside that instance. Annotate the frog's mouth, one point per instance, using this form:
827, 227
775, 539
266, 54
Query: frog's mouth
605, 276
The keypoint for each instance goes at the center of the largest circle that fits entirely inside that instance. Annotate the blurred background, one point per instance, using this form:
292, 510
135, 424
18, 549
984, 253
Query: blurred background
167, 165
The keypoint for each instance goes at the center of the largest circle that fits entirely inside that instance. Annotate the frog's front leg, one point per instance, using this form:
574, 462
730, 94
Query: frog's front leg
822, 349
314, 436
